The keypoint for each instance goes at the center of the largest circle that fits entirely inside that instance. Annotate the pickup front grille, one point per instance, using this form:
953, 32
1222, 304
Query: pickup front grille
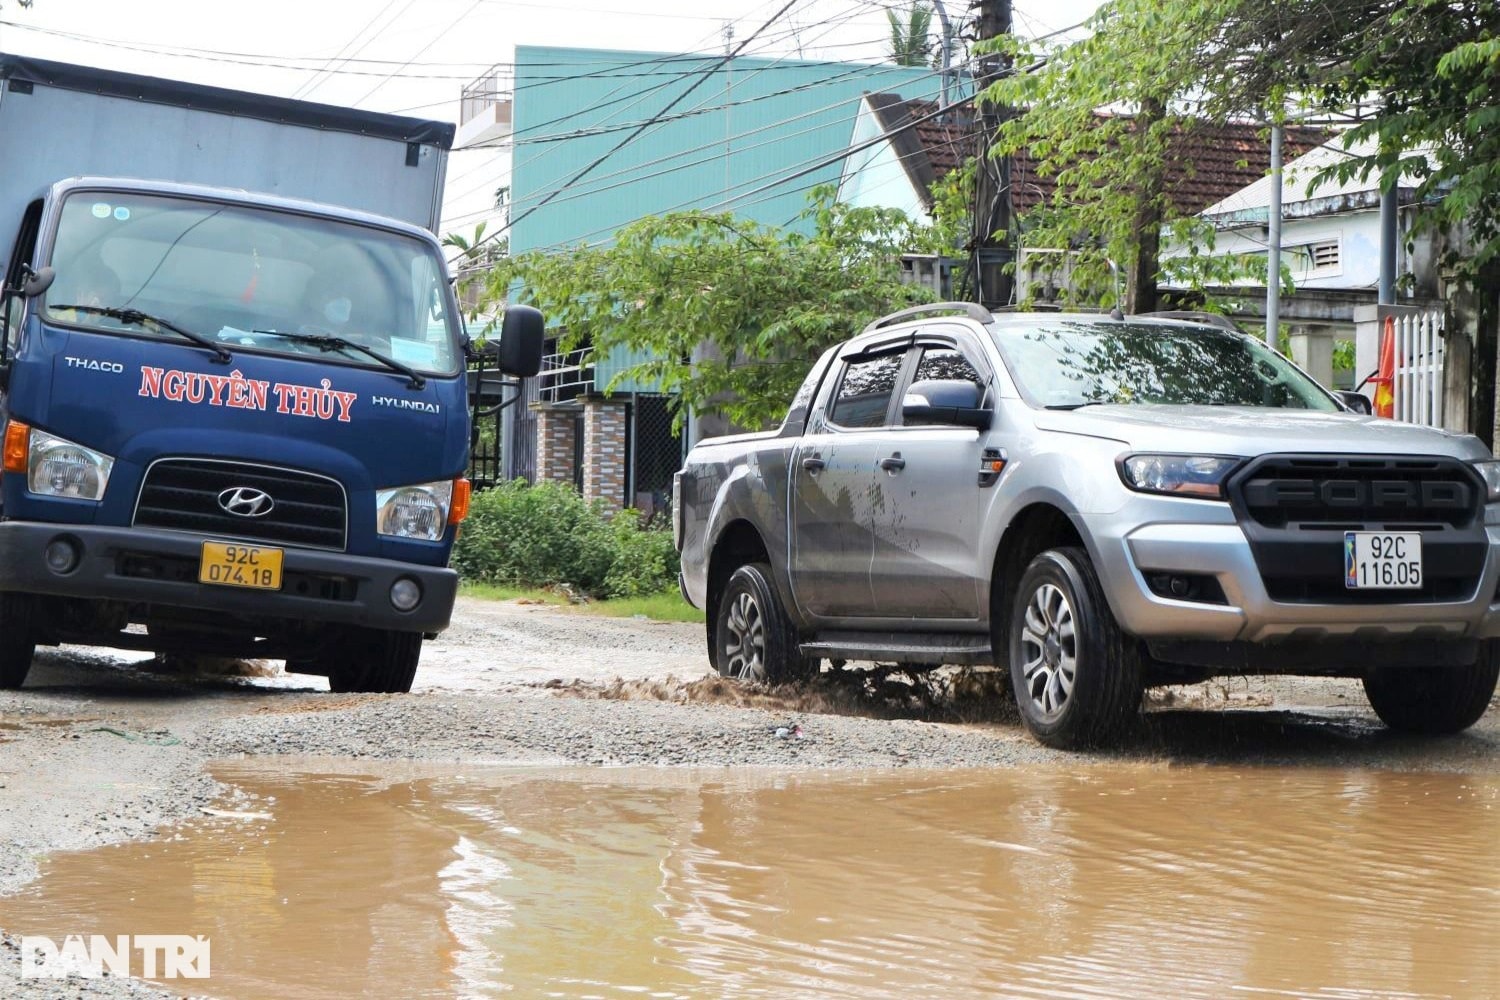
183, 494
1294, 510
1373, 492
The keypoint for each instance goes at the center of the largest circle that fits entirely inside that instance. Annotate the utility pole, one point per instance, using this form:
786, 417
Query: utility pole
1273, 243
992, 238
945, 46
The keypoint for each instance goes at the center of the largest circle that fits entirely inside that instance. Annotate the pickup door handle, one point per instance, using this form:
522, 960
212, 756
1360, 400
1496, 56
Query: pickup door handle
893, 464
813, 463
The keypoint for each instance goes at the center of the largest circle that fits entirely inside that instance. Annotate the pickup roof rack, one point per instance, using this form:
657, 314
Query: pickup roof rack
1195, 316
973, 310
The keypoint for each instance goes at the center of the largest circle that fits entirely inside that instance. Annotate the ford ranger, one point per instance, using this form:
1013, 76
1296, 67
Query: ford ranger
1099, 504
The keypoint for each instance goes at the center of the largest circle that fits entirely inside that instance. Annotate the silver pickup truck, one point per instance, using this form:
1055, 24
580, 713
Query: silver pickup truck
1101, 504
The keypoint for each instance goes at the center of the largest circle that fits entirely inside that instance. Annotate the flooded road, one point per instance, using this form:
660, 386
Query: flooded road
1101, 881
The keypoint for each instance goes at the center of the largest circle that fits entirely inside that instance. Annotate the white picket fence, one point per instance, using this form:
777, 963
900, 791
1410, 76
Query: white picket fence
1418, 387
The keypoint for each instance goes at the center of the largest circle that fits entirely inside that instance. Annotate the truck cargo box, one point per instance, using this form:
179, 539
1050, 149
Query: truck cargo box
62, 121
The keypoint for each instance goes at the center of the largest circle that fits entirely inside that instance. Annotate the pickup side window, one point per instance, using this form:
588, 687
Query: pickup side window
865, 390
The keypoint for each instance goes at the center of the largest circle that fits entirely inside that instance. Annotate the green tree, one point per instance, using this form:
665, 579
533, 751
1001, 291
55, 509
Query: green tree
1416, 81
731, 313
1100, 117
911, 35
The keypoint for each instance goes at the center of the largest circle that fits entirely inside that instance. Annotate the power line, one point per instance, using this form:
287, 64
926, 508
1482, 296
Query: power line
435, 38
313, 82
632, 173
629, 138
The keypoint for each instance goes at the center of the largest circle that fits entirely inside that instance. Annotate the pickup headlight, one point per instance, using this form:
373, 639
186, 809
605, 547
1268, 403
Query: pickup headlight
1489, 471
56, 467
419, 511
1199, 476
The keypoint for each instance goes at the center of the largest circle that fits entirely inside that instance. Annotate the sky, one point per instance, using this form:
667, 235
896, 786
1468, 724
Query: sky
414, 56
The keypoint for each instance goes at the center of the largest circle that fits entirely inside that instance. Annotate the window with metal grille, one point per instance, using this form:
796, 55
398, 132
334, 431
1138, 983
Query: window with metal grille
655, 453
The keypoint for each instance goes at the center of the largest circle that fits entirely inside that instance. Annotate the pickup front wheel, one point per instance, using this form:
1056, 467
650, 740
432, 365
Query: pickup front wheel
754, 640
1077, 677
1435, 701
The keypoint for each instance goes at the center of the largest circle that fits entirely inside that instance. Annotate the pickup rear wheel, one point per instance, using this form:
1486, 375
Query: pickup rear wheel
376, 661
754, 639
1076, 675
1435, 701
17, 639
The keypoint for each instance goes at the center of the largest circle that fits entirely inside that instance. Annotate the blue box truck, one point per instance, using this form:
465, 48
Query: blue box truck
233, 382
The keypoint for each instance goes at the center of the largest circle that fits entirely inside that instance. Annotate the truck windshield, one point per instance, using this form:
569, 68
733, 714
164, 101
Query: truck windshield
1065, 364
227, 271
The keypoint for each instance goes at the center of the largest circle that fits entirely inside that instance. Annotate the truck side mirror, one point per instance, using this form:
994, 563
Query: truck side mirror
1356, 401
945, 401
519, 352
37, 282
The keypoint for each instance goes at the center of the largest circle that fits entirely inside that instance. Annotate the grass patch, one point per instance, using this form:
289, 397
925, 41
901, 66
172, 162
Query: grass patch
665, 607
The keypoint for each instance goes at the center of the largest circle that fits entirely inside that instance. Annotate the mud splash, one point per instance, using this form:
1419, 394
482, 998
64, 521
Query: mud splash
871, 691
1108, 881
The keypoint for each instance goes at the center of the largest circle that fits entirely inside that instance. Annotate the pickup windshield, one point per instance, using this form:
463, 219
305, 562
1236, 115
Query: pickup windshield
225, 271
1065, 364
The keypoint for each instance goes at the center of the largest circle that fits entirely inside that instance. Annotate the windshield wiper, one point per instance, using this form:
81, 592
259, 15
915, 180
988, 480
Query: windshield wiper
330, 342
1075, 406
135, 317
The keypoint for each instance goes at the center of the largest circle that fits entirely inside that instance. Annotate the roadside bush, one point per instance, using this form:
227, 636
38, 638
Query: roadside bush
545, 535
645, 562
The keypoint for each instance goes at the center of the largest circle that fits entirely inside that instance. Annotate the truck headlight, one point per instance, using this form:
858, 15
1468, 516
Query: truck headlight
1489, 471
56, 467
1199, 476
419, 511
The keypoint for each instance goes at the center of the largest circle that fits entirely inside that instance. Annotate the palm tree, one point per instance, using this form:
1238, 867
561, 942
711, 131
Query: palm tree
910, 38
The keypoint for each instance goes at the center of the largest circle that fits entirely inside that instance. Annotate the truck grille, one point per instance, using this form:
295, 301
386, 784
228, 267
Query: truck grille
1358, 492
1294, 510
183, 494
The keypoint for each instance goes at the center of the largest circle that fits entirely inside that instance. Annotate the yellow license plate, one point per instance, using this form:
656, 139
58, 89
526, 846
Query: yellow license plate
231, 565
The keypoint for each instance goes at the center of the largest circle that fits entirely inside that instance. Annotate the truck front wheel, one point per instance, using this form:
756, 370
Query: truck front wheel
376, 661
1434, 701
754, 640
1076, 675
17, 639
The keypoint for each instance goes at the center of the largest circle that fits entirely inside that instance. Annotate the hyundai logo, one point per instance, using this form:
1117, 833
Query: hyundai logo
246, 501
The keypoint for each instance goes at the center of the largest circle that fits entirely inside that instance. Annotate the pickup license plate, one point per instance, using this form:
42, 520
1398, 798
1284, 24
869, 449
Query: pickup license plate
227, 564
1382, 560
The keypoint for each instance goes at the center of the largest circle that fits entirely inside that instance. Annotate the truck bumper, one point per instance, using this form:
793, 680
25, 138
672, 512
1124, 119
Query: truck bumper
1248, 613
145, 566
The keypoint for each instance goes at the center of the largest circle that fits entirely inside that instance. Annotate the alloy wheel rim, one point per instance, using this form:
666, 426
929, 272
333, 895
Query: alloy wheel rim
1049, 651
745, 639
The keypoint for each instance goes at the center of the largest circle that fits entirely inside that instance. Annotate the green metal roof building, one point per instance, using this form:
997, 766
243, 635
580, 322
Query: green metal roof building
748, 123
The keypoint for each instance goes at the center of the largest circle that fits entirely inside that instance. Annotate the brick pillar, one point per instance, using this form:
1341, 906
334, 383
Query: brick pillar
604, 452
554, 444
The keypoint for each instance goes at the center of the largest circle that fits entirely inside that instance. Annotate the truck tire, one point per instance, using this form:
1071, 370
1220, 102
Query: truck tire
17, 639
754, 640
1076, 675
377, 662
1434, 701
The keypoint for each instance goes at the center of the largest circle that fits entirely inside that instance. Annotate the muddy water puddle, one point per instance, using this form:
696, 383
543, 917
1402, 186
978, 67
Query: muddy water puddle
1099, 881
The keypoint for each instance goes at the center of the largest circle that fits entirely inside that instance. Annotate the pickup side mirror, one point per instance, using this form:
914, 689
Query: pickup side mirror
945, 401
1356, 401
